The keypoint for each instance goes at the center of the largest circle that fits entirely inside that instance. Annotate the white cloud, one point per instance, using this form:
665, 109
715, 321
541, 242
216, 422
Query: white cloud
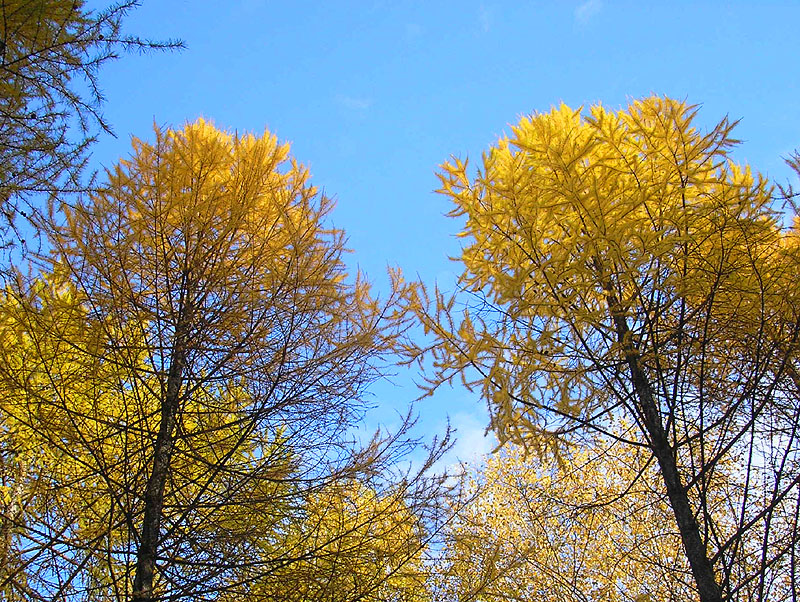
585, 11
354, 103
472, 441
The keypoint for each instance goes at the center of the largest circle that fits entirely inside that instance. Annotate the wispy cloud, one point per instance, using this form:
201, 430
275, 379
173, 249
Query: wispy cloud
586, 10
413, 30
354, 103
472, 441
485, 17
252, 6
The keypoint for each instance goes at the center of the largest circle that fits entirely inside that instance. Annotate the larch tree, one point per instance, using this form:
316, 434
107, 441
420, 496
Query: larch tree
51, 52
353, 544
590, 526
619, 266
183, 386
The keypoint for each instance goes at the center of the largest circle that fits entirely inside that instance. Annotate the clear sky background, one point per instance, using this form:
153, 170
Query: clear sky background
375, 95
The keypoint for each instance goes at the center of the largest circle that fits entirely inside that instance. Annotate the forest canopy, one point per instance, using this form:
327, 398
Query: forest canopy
187, 360
624, 281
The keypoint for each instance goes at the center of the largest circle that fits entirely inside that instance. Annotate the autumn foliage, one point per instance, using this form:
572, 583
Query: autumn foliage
51, 103
619, 268
186, 362
192, 363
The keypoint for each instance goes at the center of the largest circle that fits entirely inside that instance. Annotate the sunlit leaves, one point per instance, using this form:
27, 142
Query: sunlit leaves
194, 359
50, 97
573, 210
590, 527
619, 264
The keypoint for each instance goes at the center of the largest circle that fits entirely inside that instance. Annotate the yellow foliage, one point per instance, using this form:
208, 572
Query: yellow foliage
573, 212
590, 527
183, 380
354, 544
50, 100
619, 265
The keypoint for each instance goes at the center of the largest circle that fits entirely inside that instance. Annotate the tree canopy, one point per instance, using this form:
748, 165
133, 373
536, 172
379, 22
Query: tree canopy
591, 526
51, 100
186, 361
194, 362
619, 266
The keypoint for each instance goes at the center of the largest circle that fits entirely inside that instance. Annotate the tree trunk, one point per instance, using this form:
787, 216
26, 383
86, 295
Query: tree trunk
162, 455
693, 545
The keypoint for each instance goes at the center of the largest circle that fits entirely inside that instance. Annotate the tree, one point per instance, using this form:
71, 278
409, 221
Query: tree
363, 546
588, 527
622, 267
51, 52
194, 361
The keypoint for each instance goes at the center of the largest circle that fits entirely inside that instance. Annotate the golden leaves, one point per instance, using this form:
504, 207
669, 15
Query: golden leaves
582, 528
573, 213
200, 289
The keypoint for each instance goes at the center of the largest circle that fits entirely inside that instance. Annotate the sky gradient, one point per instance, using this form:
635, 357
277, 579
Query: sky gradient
375, 95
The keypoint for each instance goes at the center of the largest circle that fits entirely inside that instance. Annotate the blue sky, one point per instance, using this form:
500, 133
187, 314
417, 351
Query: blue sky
374, 95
